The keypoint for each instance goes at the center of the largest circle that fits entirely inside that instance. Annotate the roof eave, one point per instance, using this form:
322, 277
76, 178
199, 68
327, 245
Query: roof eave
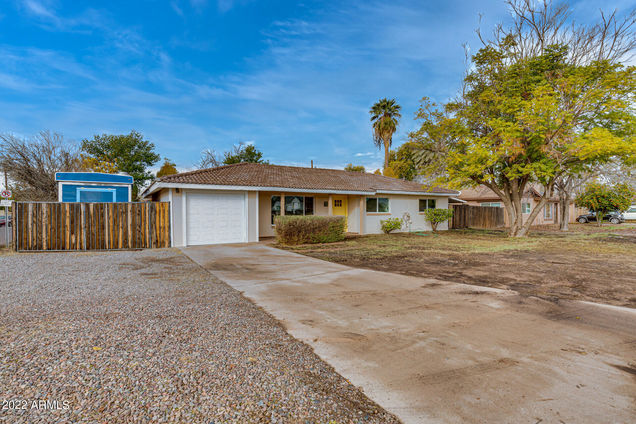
456, 199
415, 193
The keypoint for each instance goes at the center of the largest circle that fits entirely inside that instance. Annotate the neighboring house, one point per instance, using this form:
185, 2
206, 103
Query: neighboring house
238, 203
93, 187
483, 196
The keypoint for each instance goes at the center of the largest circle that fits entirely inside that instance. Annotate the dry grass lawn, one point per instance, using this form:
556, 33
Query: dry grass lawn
588, 263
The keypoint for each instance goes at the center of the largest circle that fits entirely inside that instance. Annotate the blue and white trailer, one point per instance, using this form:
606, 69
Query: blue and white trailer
93, 187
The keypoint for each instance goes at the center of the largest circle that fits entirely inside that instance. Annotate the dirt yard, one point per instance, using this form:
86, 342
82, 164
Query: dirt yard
588, 263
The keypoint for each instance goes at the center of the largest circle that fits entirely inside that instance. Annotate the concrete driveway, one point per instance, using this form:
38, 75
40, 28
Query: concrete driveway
433, 351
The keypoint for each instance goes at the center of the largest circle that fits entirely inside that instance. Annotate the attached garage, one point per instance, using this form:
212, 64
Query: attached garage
215, 217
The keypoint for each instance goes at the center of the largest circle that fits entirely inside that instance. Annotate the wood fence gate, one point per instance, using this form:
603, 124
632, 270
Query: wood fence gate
90, 226
466, 216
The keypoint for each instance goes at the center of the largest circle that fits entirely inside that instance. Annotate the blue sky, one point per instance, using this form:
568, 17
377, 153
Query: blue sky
297, 79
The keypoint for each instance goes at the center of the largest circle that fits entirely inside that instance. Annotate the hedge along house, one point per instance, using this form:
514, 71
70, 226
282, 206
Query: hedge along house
93, 187
238, 203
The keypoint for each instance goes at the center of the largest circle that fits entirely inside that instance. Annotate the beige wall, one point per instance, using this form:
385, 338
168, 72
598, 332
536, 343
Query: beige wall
353, 211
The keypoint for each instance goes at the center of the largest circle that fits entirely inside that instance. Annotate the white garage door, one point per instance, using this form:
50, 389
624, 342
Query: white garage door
215, 218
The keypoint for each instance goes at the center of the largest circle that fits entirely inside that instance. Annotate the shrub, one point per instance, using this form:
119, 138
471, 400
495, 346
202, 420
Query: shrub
391, 224
309, 229
437, 216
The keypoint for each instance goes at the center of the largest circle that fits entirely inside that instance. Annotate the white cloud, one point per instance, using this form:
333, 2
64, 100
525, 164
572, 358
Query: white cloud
175, 6
40, 10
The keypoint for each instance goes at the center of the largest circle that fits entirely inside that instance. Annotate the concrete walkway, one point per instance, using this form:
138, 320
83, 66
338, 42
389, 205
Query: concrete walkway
433, 351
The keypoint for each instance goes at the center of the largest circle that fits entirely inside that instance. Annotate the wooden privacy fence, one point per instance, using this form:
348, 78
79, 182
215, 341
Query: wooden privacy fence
91, 226
465, 216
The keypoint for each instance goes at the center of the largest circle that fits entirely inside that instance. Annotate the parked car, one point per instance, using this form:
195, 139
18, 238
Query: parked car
2, 223
613, 217
630, 214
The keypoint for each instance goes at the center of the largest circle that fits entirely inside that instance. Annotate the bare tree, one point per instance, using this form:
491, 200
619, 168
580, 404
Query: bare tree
618, 172
32, 163
209, 159
567, 187
541, 24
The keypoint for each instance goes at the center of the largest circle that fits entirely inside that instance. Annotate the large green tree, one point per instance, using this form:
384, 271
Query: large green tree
531, 111
403, 161
354, 168
385, 116
131, 153
243, 153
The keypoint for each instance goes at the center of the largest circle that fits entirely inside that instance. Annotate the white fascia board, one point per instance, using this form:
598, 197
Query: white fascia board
457, 199
149, 190
417, 193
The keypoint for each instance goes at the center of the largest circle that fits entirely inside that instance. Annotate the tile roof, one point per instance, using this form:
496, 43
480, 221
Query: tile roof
265, 175
478, 193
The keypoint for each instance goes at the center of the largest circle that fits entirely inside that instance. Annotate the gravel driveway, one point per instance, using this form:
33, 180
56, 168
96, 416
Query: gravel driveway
149, 336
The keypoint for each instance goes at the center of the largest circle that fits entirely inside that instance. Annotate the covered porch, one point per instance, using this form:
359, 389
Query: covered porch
272, 204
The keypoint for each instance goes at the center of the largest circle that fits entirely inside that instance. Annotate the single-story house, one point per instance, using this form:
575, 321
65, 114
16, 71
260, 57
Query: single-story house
93, 187
238, 203
483, 196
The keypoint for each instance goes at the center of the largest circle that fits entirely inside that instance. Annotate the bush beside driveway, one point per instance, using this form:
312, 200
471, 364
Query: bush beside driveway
137, 337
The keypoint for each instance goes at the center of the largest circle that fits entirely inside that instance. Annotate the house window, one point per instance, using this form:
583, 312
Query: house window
492, 204
309, 205
427, 204
337, 203
377, 205
275, 207
547, 211
294, 205
525, 207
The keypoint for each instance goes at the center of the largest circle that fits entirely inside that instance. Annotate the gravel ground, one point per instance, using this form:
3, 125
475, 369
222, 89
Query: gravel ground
148, 336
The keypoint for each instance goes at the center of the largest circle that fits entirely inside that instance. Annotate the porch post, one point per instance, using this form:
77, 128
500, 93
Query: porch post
330, 205
362, 212
282, 204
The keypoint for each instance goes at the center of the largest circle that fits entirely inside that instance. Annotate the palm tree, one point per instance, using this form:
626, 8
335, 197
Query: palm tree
385, 114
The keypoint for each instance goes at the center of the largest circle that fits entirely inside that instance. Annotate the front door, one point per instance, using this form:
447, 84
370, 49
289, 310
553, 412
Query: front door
340, 206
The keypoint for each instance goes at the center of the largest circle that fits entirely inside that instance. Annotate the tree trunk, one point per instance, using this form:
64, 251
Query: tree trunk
386, 153
564, 208
516, 227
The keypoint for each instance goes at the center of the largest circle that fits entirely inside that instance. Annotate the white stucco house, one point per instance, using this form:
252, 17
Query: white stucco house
238, 203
